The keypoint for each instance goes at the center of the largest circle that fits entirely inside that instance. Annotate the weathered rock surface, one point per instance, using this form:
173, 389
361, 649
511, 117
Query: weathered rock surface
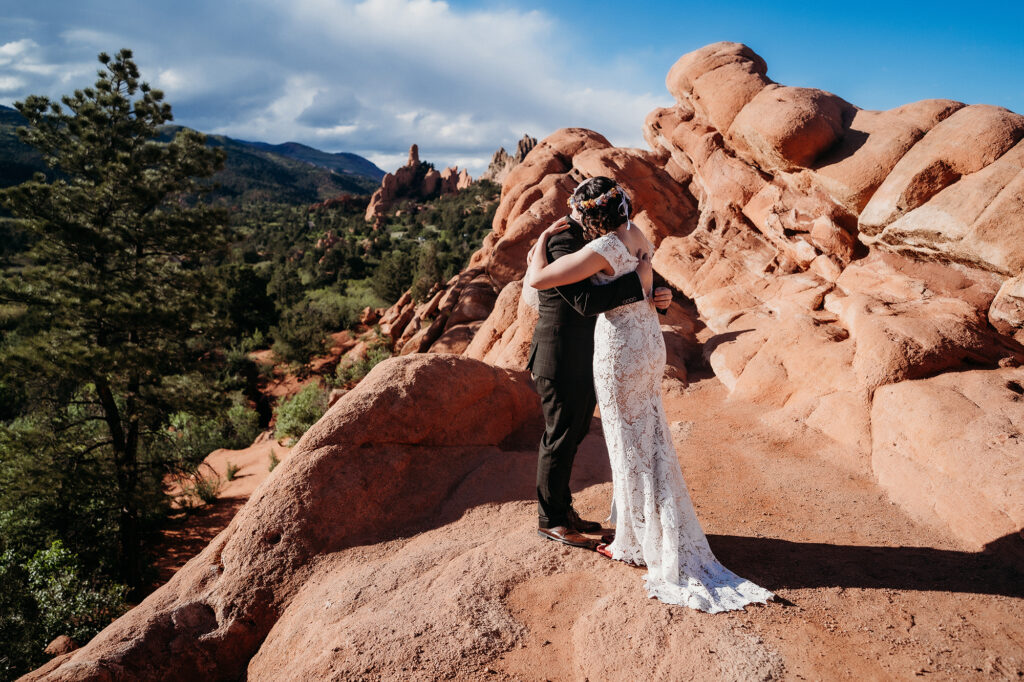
61, 645
950, 448
377, 465
1007, 311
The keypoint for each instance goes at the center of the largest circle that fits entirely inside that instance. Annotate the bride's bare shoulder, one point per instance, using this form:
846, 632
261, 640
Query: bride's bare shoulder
633, 239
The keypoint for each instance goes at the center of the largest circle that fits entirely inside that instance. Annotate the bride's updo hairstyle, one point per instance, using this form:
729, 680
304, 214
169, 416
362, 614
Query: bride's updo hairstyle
602, 205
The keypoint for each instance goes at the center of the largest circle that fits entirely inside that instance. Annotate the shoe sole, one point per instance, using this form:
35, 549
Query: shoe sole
584, 545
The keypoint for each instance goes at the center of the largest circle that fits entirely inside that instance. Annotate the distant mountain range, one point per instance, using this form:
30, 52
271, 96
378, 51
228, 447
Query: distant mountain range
254, 171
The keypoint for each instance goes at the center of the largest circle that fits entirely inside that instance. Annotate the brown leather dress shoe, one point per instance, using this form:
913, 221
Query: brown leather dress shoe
581, 526
567, 536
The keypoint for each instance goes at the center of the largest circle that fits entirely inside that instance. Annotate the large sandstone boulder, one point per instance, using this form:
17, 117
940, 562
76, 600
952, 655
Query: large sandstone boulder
787, 128
873, 144
377, 465
957, 195
719, 79
951, 450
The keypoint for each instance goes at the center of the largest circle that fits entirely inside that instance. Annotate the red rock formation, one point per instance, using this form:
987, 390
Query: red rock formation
60, 646
834, 250
502, 163
412, 181
949, 448
346, 481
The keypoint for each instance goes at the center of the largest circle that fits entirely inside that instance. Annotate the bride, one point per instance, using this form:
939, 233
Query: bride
655, 523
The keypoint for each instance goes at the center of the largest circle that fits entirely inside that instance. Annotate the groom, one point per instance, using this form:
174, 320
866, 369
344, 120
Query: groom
561, 361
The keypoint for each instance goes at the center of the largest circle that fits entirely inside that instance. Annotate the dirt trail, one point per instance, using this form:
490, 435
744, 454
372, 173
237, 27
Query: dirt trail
189, 531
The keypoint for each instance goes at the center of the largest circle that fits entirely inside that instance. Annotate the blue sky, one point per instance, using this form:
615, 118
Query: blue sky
461, 78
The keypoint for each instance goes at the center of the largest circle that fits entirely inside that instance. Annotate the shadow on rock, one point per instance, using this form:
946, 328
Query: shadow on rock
779, 564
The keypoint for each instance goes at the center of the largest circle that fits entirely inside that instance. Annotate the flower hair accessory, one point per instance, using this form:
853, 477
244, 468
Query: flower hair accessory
616, 192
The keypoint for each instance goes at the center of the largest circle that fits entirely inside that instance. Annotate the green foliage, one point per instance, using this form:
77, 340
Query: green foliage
58, 480
296, 414
232, 471
67, 603
394, 275
189, 437
428, 272
300, 335
243, 426
248, 306
47, 596
114, 320
347, 375
274, 461
202, 486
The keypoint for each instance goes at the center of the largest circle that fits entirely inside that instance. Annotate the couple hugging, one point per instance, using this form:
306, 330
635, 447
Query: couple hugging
598, 341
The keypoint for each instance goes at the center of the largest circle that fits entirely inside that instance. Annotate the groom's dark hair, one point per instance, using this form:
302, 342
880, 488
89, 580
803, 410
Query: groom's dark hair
599, 219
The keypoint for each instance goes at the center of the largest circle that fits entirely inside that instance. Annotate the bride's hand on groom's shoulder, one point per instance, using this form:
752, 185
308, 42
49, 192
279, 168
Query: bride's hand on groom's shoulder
560, 225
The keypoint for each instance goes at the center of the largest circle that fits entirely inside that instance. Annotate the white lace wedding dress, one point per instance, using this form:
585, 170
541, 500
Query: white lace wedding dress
655, 523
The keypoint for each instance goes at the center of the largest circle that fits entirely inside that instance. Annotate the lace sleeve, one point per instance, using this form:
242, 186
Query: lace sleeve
613, 250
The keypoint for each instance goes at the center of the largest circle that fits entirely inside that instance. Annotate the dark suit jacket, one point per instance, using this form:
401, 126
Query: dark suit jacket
563, 340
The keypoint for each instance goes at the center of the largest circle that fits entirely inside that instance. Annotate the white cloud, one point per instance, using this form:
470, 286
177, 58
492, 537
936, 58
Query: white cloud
8, 83
366, 76
15, 48
388, 161
378, 75
23, 56
99, 41
25, 68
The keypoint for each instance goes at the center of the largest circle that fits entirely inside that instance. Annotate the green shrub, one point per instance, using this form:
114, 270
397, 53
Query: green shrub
232, 471
301, 333
191, 438
47, 596
202, 486
393, 276
243, 425
295, 415
346, 375
428, 273
274, 461
255, 341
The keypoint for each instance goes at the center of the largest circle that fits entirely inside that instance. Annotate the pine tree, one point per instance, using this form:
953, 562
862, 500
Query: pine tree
428, 274
115, 305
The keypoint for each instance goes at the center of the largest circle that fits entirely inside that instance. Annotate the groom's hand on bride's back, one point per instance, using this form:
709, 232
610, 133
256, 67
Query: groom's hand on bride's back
662, 299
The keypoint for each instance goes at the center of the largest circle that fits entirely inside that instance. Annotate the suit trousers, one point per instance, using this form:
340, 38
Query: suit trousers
568, 404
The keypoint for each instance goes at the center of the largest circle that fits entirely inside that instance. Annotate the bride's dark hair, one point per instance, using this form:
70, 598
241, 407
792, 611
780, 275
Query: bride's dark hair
604, 217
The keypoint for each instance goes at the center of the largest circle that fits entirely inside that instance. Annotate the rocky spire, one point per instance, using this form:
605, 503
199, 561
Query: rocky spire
502, 162
410, 182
